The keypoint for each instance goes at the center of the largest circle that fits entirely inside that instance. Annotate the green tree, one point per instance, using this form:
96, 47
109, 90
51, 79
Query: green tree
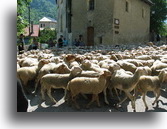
158, 16
46, 35
21, 21
41, 8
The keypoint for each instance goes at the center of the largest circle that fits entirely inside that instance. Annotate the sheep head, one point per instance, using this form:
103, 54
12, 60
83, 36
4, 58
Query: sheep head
55, 60
42, 62
62, 69
86, 63
113, 67
70, 57
75, 71
163, 76
106, 74
141, 71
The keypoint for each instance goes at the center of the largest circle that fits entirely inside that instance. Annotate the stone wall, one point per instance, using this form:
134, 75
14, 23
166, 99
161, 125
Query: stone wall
133, 26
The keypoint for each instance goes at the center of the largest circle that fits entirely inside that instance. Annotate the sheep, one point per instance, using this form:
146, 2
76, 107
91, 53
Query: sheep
127, 66
85, 85
126, 83
18, 66
27, 62
51, 68
148, 63
74, 64
89, 74
137, 63
151, 83
157, 66
151, 44
143, 57
26, 74
87, 65
57, 81
69, 58
55, 60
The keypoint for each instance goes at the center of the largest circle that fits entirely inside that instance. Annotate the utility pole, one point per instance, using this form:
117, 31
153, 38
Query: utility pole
29, 20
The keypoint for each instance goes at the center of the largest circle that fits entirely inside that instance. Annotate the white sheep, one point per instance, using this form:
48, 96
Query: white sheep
57, 81
26, 74
87, 65
51, 68
85, 85
151, 83
157, 67
73, 64
28, 62
143, 57
127, 66
126, 83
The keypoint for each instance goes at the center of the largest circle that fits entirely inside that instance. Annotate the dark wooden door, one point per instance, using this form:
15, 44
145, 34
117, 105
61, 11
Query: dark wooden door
90, 36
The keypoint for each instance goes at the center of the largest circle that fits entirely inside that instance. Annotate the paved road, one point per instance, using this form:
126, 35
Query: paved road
61, 106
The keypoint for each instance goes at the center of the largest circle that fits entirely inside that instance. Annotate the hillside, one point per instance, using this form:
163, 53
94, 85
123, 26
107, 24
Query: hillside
41, 8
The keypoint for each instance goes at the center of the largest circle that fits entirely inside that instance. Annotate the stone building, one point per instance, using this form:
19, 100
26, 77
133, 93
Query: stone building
104, 21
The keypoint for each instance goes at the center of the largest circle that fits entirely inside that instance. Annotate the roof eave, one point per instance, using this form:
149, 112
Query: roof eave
149, 2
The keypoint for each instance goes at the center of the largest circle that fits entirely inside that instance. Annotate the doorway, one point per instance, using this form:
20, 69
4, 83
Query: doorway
90, 36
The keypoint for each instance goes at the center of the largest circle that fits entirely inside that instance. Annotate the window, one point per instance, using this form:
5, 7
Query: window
127, 6
41, 25
91, 4
101, 40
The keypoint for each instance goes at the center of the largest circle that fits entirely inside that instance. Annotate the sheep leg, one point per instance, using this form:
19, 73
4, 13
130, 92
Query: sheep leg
117, 94
105, 96
43, 93
122, 101
144, 100
74, 100
50, 96
93, 99
36, 86
132, 99
157, 96
65, 95
85, 97
25, 87
111, 94
97, 100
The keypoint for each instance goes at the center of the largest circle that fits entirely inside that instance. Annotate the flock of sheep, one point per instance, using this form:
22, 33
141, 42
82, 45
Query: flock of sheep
113, 71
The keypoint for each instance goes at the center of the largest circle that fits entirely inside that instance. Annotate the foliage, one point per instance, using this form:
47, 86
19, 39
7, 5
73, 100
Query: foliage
21, 21
41, 8
158, 16
46, 35
165, 32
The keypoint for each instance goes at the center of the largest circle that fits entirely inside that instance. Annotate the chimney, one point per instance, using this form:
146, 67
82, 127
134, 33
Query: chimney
32, 29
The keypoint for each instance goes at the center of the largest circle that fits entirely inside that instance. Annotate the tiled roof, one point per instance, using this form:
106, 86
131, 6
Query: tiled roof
35, 30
